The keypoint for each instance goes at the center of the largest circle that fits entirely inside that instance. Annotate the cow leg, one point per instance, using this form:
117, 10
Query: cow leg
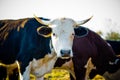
3, 73
93, 73
79, 69
26, 74
80, 73
15, 75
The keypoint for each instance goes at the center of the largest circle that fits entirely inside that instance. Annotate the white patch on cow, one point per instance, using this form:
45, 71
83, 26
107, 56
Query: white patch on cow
114, 63
109, 44
62, 35
26, 74
21, 77
42, 78
89, 66
42, 66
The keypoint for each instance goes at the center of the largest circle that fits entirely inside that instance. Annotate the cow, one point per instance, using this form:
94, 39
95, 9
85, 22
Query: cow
116, 48
28, 40
20, 41
115, 45
87, 44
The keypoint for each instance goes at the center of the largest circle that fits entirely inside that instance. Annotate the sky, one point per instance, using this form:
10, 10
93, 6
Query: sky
106, 13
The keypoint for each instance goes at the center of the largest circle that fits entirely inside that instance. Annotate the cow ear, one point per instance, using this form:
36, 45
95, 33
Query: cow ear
44, 31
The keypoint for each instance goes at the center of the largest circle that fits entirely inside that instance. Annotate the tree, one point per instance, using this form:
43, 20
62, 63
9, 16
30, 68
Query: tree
100, 33
112, 36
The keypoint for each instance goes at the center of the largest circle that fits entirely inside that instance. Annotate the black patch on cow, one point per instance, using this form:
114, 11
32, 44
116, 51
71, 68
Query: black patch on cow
60, 62
81, 31
3, 75
115, 46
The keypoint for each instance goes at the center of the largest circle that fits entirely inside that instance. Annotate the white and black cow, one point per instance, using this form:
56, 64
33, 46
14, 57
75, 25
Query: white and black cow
20, 41
28, 41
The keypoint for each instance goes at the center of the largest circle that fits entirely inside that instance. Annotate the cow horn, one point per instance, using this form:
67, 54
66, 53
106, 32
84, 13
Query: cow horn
115, 62
83, 21
39, 20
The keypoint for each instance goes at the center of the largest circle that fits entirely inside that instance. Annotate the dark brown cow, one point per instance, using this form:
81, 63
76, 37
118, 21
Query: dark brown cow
88, 44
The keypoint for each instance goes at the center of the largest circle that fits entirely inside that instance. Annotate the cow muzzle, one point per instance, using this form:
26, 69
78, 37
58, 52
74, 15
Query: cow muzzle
65, 54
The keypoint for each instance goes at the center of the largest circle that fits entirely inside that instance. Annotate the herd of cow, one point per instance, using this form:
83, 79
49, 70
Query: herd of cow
36, 45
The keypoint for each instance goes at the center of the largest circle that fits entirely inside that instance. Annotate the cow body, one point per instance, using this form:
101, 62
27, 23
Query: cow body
88, 44
21, 42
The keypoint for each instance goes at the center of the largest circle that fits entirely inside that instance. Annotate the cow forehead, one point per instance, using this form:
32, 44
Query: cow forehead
63, 22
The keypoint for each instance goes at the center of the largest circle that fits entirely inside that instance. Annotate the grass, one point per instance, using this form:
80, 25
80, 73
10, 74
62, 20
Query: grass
61, 74
57, 74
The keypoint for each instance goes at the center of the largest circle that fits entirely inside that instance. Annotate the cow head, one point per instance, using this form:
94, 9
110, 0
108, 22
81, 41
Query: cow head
62, 34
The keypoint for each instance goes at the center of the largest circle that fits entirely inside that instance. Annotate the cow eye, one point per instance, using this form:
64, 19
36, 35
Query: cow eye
53, 34
73, 34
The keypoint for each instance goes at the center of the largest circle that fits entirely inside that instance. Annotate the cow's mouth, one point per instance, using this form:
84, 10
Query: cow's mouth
66, 56
66, 59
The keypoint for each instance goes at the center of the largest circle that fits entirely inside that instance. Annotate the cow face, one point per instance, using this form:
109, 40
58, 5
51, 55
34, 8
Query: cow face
62, 35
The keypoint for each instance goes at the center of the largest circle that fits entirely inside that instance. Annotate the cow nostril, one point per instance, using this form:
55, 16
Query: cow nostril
65, 51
